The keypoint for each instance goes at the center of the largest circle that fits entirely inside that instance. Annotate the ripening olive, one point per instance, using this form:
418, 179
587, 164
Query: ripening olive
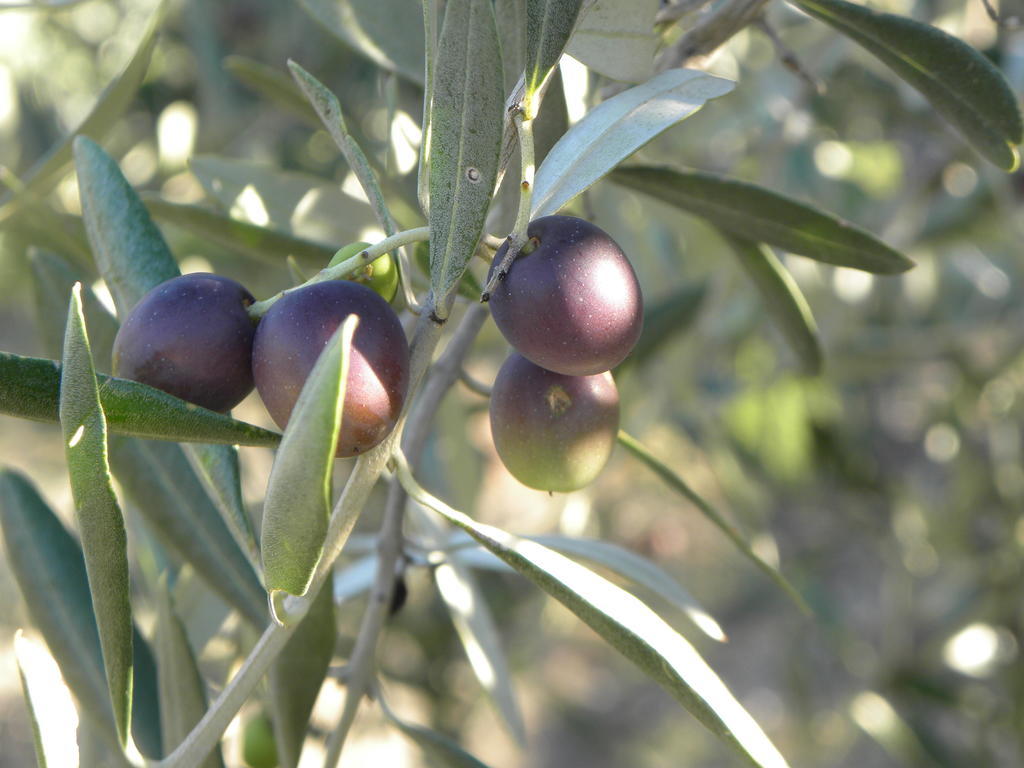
553, 432
190, 336
381, 274
294, 332
572, 305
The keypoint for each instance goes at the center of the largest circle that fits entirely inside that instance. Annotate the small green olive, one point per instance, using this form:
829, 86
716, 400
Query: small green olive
259, 748
381, 274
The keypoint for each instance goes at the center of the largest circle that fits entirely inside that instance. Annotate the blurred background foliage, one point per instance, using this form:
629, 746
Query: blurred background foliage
889, 489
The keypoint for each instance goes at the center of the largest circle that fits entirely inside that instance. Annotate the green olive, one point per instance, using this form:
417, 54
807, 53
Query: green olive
381, 274
259, 748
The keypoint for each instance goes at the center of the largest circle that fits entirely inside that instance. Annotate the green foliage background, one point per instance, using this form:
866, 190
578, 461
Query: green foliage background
889, 488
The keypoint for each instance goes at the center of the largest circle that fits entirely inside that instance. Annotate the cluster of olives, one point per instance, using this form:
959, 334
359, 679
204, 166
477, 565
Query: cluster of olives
192, 337
571, 308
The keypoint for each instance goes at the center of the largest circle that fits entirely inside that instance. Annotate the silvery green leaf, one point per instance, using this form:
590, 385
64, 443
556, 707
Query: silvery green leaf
511, 18
99, 518
480, 638
674, 481
617, 128
616, 38
297, 503
271, 83
634, 630
389, 34
48, 565
297, 674
465, 140
30, 389
182, 692
960, 83
755, 213
50, 709
549, 23
783, 300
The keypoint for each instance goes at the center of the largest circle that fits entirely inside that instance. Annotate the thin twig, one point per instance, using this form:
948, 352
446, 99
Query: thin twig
788, 56
473, 384
710, 33
670, 14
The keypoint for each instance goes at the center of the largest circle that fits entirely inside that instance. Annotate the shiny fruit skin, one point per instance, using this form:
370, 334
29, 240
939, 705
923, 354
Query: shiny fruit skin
191, 337
381, 274
572, 305
553, 432
294, 332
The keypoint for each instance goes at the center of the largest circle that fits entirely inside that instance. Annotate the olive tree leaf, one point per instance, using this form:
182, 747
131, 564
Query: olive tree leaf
37, 223
435, 745
50, 708
297, 674
297, 503
48, 565
755, 213
617, 128
549, 23
108, 109
465, 139
96, 510
480, 638
271, 83
629, 626
616, 38
783, 299
268, 245
161, 485
674, 481
30, 389
958, 81
665, 320
388, 34
182, 693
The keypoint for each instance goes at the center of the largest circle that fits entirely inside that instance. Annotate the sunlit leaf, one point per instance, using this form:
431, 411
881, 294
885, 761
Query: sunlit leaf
480, 638
99, 518
30, 389
630, 627
548, 26
48, 565
783, 300
50, 709
752, 212
617, 128
466, 129
388, 34
674, 481
297, 503
182, 692
959, 82
273, 84
297, 674
616, 38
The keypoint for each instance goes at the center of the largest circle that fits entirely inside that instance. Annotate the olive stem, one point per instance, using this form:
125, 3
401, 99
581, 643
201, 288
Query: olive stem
473, 384
518, 238
347, 267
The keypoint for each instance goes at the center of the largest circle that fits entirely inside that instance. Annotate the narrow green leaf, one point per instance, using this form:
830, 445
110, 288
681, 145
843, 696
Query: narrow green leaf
298, 673
182, 693
511, 18
617, 128
616, 38
436, 746
49, 568
549, 23
108, 109
783, 299
97, 512
665, 320
297, 503
479, 636
39, 224
466, 129
50, 709
388, 34
130, 251
959, 82
30, 389
268, 245
631, 628
271, 83
746, 210
680, 486
161, 485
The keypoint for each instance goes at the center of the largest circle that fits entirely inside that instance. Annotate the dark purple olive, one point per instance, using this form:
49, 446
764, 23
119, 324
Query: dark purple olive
553, 432
191, 337
573, 304
294, 332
